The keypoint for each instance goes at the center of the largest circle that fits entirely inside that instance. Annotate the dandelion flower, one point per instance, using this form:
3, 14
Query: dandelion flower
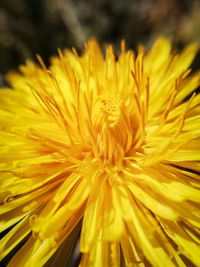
106, 147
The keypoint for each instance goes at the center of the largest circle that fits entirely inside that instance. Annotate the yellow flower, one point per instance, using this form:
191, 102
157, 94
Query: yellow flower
107, 146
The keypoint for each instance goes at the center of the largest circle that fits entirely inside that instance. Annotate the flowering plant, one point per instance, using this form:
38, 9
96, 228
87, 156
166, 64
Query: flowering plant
107, 146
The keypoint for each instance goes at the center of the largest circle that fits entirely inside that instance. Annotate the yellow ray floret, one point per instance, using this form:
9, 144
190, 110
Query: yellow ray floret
106, 148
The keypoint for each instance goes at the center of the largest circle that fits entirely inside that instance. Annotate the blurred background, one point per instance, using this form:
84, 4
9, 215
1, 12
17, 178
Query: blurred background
28, 27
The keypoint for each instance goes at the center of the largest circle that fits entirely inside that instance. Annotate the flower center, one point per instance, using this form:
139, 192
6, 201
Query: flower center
110, 109
112, 131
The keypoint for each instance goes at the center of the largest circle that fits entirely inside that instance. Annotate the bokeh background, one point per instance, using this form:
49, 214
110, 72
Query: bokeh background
28, 27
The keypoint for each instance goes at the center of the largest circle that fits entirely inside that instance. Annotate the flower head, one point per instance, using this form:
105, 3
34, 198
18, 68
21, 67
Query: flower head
107, 146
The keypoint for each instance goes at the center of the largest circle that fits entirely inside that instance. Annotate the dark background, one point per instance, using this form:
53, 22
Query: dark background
28, 27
